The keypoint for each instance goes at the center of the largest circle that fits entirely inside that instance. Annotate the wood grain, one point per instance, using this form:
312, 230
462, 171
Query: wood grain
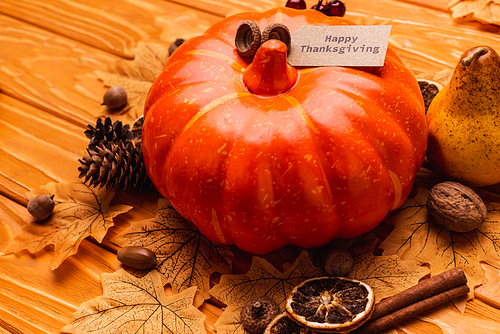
36, 147
113, 26
51, 72
35, 299
426, 39
49, 93
56, 73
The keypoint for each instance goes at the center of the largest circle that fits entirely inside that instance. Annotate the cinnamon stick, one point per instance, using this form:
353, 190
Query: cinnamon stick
409, 311
426, 294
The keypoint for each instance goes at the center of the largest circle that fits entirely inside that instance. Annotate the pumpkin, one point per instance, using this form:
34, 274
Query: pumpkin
257, 153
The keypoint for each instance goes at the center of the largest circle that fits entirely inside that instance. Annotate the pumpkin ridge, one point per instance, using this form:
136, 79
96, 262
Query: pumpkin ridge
278, 17
217, 55
396, 124
302, 113
212, 105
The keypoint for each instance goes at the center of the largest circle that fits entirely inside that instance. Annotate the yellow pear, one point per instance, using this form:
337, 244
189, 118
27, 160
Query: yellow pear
464, 121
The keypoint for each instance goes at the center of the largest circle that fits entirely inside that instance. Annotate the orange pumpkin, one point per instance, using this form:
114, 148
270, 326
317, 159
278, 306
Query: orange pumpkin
260, 154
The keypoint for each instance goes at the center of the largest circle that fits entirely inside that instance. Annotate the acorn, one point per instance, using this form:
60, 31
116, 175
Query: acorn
136, 257
174, 45
257, 313
115, 97
41, 206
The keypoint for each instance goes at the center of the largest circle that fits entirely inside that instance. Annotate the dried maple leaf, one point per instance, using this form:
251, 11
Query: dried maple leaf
80, 211
484, 11
137, 305
262, 279
185, 257
136, 77
416, 237
229, 321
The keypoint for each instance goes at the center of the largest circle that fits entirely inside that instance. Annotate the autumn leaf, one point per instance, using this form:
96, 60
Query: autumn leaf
229, 321
416, 237
484, 11
136, 77
137, 305
185, 258
262, 279
80, 212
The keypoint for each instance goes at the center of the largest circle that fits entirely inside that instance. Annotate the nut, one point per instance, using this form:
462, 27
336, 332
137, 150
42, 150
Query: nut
456, 207
174, 45
248, 38
136, 257
115, 97
41, 206
336, 262
257, 313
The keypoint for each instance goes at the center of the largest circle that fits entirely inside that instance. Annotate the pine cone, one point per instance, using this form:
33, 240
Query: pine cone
115, 165
108, 132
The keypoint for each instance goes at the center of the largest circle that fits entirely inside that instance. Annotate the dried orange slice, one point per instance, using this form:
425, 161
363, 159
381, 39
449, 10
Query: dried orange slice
331, 304
282, 324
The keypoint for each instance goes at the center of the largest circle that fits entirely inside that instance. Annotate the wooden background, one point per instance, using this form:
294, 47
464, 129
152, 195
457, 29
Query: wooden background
49, 93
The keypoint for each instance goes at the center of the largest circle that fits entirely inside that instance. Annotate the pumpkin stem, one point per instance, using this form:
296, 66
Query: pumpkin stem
269, 73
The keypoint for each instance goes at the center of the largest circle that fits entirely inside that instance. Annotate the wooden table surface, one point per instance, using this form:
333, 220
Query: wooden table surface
49, 93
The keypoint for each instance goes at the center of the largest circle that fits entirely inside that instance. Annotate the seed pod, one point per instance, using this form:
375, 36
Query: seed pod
248, 38
115, 97
41, 206
136, 257
257, 313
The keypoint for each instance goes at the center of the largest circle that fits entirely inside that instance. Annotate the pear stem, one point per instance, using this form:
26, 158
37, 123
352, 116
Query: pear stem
467, 61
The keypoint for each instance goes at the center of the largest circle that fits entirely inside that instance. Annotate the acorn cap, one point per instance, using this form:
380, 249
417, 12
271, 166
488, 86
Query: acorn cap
277, 31
248, 38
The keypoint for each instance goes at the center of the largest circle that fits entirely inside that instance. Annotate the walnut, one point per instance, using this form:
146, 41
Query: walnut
456, 207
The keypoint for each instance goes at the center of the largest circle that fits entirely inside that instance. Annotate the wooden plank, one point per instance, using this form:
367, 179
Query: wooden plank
51, 72
434, 4
114, 26
36, 147
230, 7
56, 73
35, 299
426, 37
